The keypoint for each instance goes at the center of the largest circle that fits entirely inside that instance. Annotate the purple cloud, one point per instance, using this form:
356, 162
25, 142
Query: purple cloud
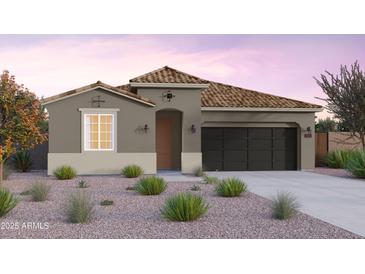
278, 64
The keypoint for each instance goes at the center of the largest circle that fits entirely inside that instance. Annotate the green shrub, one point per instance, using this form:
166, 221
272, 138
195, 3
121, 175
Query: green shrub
150, 185
199, 172
184, 207
7, 201
284, 206
22, 161
80, 208
211, 180
64, 173
230, 187
106, 203
82, 184
337, 158
356, 163
132, 171
39, 191
195, 188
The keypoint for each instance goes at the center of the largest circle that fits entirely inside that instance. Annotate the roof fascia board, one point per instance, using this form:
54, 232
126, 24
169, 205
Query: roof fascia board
262, 109
168, 85
104, 88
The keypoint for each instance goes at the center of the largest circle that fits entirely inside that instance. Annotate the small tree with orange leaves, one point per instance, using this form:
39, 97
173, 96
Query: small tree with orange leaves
20, 117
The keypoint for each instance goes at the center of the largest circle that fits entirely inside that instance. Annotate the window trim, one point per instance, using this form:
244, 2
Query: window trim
99, 112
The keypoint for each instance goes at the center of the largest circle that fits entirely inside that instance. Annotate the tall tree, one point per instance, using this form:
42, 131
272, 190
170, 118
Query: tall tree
346, 98
21, 115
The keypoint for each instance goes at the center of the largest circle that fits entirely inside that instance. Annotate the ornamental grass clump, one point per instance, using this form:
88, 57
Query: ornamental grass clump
284, 206
132, 171
231, 187
184, 207
150, 185
80, 208
39, 191
211, 180
7, 201
65, 173
356, 163
22, 160
337, 158
199, 172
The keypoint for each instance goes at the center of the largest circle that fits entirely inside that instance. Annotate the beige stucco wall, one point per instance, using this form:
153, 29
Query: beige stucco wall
65, 123
301, 120
135, 146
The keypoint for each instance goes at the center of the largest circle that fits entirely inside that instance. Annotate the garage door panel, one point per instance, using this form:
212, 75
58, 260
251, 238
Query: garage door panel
260, 165
212, 144
212, 166
234, 155
260, 144
249, 148
259, 133
212, 133
234, 166
234, 133
237, 144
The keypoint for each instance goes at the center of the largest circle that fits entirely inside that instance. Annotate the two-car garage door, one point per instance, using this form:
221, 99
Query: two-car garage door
233, 149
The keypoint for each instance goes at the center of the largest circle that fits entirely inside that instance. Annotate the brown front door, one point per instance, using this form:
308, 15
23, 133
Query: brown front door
164, 143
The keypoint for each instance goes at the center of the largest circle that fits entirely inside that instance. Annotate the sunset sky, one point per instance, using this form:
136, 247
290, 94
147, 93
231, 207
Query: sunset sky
278, 64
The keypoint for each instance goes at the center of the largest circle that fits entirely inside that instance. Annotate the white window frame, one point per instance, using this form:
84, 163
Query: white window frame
99, 112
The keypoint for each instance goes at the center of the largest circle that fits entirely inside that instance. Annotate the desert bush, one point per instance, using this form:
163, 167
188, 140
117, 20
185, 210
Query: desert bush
337, 158
199, 172
39, 191
106, 203
132, 171
82, 184
7, 201
150, 185
195, 188
64, 173
22, 160
230, 187
284, 206
356, 163
80, 208
184, 207
211, 179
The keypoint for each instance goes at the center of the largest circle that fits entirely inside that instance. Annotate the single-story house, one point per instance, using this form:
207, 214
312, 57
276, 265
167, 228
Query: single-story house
170, 120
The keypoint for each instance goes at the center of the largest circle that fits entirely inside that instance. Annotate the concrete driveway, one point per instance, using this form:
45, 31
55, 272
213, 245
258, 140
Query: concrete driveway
339, 201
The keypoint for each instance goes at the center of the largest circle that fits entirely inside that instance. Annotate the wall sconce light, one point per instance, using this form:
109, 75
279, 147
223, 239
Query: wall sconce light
193, 128
308, 133
146, 128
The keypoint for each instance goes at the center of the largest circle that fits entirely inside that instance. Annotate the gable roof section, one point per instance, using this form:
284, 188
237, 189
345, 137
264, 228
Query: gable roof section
98, 84
168, 75
219, 95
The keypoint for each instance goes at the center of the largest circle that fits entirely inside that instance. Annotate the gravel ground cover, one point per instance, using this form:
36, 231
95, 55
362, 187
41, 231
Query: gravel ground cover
135, 216
337, 172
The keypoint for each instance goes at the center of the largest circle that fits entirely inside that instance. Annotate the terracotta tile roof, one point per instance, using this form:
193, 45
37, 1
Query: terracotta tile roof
218, 94
120, 91
168, 75
221, 95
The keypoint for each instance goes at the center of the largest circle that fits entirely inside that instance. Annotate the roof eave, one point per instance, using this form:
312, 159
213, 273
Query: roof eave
92, 87
253, 109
